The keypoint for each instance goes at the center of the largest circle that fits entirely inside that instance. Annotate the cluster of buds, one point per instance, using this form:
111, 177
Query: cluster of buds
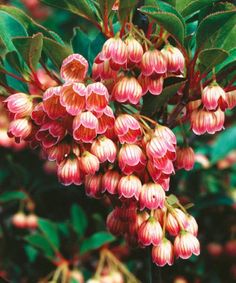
23, 221
86, 128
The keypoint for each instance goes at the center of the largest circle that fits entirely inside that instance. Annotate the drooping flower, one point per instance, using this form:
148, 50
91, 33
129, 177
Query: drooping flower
150, 232
89, 163
129, 187
106, 120
114, 50
51, 133
68, 171
73, 97
131, 159
85, 127
51, 103
105, 149
20, 129
214, 96
19, 104
127, 89
127, 128
185, 158
97, 97
152, 196
163, 253
93, 185
74, 68
110, 181
153, 63
185, 245
154, 86
134, 50
231, 99
175, 59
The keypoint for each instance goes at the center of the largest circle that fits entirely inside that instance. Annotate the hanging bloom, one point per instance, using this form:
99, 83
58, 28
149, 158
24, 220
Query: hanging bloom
68, 171
105, 149
58, 152
106, 120
152, 196
163, 253
203, 121
97, 97
89, 163
51, 103
231, 99
127, 89
185, 245
129, 187
19, 220
185, 158
175, 59
153, 64
103, 71
164, 164
114, 223
73, 97
31, 221
110, 181
165, 133
114, 50
192, 225
38, 115
176, 221
150, 232
85, 127
74, 68
214, 96
158, 147
51, 133
154, 86
134, 50
131, 159
19, 104
127, 128
20, 129
194, 105
93, 186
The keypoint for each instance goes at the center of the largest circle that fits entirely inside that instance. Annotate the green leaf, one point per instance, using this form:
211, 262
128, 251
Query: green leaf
31, 253
15, 61
39, 241
230, 61
125, 8
224, 143
55, 51
30, 48
209, 58
10, 27
96, 241
162, 6
167, 20
153, 103
50, 231
83, 8
80, 42
78, 220
195, 5
213, 23
28, 23
13, 195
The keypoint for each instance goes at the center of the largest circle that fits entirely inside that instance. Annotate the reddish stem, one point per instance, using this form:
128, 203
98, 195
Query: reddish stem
14, 76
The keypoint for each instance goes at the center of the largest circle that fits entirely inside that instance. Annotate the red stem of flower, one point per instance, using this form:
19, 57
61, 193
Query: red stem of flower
13, 76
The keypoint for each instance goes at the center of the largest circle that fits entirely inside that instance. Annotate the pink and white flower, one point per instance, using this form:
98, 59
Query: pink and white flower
152, 196
97, 97
150, 232
105, 149
185, 245
129, 187
163, 253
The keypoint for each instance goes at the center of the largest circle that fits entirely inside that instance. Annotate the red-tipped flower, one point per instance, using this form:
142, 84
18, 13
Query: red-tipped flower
185, 245
129, 187
127, 128
97, 97
105, 149
135, 51
175, 59
163, 253
214, 96
152, 196
19, 104
150, 232
85, 127
185, 158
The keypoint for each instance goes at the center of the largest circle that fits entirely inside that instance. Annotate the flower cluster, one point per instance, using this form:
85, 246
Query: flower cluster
86, 127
